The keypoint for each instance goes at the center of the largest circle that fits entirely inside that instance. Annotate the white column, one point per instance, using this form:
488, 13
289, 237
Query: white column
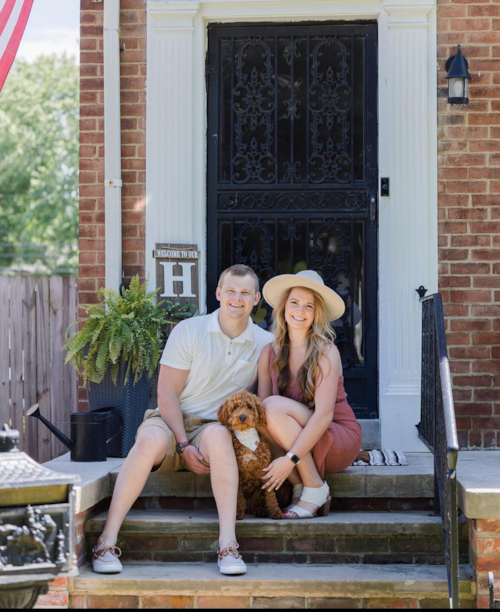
406, 244
171, 210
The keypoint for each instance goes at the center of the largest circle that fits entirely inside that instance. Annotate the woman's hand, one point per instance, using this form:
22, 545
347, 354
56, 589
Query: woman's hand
277, 472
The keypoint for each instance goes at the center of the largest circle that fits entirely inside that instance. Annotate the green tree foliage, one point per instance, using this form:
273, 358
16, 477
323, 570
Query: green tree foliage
39, 115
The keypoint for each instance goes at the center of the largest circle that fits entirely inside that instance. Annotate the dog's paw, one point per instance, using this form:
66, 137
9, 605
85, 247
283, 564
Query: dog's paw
277, 515
240, 516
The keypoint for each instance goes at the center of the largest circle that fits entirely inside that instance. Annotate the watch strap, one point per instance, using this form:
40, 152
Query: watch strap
293, 458
180, 446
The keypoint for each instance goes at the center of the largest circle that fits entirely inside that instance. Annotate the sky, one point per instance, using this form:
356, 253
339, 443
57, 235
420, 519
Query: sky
53, 27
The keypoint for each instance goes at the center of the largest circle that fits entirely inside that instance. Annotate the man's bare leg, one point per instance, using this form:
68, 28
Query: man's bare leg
149, 450
216, 446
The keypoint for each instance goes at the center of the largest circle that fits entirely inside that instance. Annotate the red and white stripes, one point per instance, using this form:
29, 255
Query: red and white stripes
13, 19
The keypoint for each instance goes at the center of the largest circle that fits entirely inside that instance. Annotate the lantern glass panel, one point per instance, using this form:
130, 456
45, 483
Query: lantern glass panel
456, 88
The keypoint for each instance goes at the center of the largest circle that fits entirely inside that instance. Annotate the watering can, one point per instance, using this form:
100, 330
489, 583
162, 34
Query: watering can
88, 431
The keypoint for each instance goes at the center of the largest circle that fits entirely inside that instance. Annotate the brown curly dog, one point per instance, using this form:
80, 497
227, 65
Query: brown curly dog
243, 411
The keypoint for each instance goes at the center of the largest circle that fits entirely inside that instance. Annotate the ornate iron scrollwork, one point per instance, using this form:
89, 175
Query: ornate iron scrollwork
253, 105
330, 95
295, 200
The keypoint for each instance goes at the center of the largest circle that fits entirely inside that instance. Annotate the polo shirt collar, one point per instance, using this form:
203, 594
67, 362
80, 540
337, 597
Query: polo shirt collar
246, 336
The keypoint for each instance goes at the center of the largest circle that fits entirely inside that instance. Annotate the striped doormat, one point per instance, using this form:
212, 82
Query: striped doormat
381, 457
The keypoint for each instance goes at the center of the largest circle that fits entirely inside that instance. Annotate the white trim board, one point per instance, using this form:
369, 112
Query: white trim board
176, 161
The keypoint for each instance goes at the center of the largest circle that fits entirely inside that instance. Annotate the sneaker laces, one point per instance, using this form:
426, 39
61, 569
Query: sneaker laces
105, 548
230, 550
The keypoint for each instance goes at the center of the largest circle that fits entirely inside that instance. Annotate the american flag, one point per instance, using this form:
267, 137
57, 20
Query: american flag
13, 18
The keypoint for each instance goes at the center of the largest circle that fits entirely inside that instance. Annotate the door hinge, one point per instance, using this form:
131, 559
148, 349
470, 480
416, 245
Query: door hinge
373, 208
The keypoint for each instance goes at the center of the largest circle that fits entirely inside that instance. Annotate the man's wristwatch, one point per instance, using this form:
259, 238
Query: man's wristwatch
180, 446
293, 458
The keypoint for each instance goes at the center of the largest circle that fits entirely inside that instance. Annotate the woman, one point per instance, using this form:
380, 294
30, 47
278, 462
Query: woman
302, 388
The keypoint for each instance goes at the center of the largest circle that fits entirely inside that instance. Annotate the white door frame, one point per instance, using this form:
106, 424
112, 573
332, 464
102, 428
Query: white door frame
407, 98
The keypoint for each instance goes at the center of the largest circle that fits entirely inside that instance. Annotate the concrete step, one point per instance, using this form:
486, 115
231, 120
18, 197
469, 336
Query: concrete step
341, 537
200, 585
414, 481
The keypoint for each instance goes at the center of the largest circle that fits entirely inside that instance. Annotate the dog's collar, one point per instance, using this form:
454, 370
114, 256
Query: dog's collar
249, 438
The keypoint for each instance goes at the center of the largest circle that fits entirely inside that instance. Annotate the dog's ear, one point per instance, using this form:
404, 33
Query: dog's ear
223, 413
261, 413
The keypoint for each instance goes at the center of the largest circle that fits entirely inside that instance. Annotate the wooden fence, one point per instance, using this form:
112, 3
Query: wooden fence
35, 312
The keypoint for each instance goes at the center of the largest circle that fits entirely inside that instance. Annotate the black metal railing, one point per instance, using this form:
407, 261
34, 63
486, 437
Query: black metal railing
438, 430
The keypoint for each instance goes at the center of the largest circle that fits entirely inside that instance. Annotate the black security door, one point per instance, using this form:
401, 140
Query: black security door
292, 169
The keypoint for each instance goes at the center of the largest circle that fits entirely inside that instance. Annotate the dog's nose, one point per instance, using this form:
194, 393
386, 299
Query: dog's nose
243, 418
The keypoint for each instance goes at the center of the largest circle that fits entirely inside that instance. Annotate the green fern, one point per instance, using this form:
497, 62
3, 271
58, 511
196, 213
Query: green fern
130, 327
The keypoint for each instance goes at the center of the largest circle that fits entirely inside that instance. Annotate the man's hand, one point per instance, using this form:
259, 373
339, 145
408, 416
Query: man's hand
193, 459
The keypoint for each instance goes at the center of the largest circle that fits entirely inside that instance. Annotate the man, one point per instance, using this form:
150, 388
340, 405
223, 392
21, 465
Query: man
205, 360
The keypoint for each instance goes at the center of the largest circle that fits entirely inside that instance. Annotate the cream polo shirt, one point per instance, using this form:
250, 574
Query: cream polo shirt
218, 365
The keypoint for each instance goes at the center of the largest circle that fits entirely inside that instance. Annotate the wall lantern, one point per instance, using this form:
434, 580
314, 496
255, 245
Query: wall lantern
457, 69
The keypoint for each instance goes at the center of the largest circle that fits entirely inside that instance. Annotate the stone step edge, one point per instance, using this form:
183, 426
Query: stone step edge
415, 480
348, 581
205, 522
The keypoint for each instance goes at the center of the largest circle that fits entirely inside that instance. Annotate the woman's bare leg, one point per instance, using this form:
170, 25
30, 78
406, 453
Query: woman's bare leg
285, 420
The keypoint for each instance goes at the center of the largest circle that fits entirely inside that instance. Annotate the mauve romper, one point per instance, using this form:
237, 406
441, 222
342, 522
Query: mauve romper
339, 446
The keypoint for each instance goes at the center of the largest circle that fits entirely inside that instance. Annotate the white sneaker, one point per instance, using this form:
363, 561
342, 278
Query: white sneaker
230, 561
105, 560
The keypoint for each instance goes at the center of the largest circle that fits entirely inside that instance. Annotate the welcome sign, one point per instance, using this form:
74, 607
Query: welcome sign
177, 272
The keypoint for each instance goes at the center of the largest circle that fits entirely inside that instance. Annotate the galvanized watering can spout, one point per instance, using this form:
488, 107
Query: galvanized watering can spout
34, 411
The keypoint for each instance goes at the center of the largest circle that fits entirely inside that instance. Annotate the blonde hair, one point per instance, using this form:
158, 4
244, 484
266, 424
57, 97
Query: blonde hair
320, 335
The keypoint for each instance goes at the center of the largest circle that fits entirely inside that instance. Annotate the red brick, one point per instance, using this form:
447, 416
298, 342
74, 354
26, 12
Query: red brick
53, 598
487, 423
465, 160
485, 339
167, 601
469, 352
452, 254
486, 367
487, 526
486, 255
470, 241
470, 296
77, 602
467, 186
470, 268
473, 381
456, 310
492, 395
472, 409
492, 282
459, 367
454, 281
223, 601
112, 601
386, 603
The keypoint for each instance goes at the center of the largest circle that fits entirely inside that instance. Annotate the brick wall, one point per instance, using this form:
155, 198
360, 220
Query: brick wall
133, 112
484, 556
469, 217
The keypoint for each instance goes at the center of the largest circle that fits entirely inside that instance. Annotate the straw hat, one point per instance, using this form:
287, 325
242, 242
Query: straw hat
274, 288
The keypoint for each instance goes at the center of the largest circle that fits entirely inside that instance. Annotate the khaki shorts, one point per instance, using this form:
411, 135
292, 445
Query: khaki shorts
194, 427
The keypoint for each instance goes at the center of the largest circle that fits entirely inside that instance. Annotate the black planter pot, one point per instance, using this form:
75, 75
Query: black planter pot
131, 402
